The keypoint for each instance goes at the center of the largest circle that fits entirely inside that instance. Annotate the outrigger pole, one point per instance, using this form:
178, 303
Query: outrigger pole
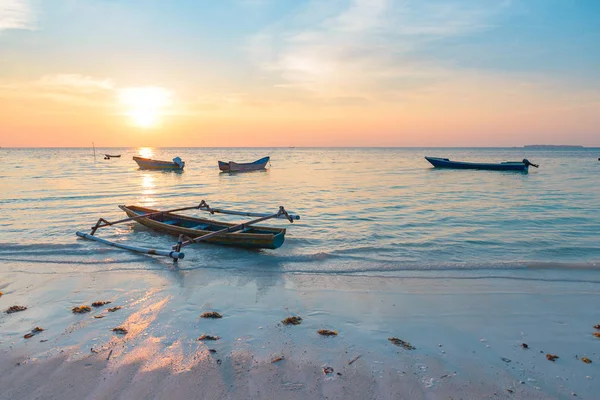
176, 253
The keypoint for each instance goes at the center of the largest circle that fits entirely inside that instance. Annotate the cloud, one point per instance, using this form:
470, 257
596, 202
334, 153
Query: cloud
16, 14
76, 82
367, 48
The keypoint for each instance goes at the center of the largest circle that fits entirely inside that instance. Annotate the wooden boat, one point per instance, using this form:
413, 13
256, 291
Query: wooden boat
147, 163
244, 234
243, 167
253, 236
503, 166
109, 156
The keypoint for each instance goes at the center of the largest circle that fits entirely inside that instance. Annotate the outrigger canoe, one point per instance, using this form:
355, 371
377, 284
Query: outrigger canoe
147, 163
252, 237
503, 166
195, 230
243, 167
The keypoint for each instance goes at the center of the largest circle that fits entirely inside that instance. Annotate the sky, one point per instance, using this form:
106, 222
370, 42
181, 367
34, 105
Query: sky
266, 73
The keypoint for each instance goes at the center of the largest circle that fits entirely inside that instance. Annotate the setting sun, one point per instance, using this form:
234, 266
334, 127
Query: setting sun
145, 105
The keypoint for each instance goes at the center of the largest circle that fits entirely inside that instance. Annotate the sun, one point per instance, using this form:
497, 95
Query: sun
145, 106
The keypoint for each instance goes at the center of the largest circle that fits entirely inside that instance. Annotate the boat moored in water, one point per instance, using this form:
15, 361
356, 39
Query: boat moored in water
147, 163
195, 230
243, 167
253, 236
503, 166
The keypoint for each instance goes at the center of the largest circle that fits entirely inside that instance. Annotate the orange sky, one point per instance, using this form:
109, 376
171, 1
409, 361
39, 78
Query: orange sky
317, 76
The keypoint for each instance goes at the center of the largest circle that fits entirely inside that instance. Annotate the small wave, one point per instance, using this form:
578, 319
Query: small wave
52, 246
68, 262
563, 265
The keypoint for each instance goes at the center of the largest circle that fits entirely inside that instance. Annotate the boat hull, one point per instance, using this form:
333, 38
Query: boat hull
254, 237
147, 163
504, 166
243, 167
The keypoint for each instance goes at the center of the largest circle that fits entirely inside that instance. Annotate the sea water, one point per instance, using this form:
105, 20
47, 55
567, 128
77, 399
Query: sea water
372, 211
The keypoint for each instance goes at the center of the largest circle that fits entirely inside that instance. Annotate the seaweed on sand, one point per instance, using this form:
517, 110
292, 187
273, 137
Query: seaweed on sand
81, 309
327, 332
208, 337
211, 314
401, 343
100, 303
120, 330
33, 332
14, 309
294, 320
114, 309
551, 357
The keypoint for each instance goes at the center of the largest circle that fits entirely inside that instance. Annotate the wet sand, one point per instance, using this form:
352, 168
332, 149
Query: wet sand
467, 327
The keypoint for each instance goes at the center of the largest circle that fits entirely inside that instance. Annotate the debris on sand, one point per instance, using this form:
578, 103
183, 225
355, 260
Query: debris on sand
586, 360
597, 334
0, 294
277, 359
208, 337
98, 316
506, 360
211, 314
120, 330
14, 309
114, 309
33, 332
327, 370
551, 357
327, 332
524, 345
81, 309
401, 343
354, 359
597, 326
294, 320
212, 351
100, 303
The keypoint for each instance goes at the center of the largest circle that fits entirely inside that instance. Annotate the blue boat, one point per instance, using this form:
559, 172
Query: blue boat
243, 167
503, 166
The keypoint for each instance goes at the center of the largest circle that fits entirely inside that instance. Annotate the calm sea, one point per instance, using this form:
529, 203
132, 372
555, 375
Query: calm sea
364, 211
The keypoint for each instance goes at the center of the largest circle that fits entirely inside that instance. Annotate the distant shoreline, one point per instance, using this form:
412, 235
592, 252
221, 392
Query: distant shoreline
552, 146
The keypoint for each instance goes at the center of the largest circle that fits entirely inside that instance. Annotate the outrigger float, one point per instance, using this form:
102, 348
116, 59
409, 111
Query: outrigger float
195, 230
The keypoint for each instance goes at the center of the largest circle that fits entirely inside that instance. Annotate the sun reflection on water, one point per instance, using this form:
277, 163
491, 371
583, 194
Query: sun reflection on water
145, 152
148, 190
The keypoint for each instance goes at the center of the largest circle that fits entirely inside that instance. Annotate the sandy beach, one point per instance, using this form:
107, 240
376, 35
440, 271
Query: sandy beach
467, 329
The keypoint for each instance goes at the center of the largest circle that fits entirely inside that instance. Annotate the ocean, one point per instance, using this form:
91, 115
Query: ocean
367, 211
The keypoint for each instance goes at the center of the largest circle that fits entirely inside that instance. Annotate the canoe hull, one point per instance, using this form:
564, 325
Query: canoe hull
255, 237
147, 163
504, 166
243, 167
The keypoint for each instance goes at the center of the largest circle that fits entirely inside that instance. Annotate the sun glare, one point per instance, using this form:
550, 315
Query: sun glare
145, 105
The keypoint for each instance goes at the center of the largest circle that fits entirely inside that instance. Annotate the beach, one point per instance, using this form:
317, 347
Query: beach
467, 331
506, 260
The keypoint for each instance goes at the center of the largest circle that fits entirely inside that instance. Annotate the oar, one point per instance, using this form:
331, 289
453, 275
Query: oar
233, 228
102, 222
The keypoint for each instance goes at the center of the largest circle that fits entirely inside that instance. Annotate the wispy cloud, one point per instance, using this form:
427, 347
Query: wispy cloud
16, 14
76, 81
367, 49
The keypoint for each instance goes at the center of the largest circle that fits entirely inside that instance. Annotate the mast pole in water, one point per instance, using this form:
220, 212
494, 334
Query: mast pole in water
94, 147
